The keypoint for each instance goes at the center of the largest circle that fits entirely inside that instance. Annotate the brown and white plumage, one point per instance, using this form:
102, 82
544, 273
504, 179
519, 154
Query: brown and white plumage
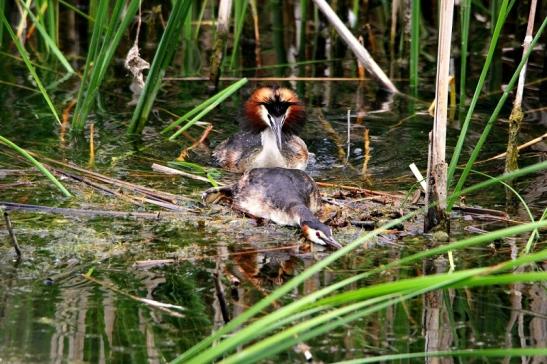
284, 196
268, 137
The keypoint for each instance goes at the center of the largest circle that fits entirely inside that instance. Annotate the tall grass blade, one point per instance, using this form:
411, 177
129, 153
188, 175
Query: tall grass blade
210, 105
51, 43
303, 276
491, 50
240, 10
37, 164
162, 59
465, 16
494, 116
100, 54
325, 322
30, 67
479, 353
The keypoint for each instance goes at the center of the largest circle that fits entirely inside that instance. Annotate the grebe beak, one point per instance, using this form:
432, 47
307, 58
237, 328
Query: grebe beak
329, 240
277, 127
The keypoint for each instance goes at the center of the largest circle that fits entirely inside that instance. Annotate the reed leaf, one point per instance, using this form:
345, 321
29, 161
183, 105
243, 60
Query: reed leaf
240, 9
465, 16
481, 353
210, 104
30, 67
37, 164
494, 116
102, 47
51, 43
233, 341
502, 16
414, 44
162, 59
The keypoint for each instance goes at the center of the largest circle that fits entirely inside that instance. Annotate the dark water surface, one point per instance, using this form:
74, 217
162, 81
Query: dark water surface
50, 313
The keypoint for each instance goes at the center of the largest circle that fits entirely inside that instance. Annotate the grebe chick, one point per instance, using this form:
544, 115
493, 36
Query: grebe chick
285, 196
268, 137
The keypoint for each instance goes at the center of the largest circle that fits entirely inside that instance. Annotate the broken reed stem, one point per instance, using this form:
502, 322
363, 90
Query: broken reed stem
519, 148
352, 42
12, 236
516, 117
437, 173
223, 24
254, 12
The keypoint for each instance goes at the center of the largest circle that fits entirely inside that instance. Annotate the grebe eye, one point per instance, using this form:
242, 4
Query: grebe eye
317, 233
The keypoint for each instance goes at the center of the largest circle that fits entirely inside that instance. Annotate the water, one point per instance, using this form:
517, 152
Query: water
50, 313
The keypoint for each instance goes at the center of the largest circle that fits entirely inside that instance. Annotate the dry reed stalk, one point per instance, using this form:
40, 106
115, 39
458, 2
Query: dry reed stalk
437, 166
515, 120
12, 236
352, 42
519, 148
91, 162
223, 26
254, 12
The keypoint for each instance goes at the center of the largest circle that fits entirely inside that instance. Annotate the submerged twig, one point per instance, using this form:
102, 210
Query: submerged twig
164, 307
12, 236
519, 148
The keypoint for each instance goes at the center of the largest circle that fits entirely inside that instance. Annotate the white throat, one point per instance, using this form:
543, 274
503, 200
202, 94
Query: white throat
270, 155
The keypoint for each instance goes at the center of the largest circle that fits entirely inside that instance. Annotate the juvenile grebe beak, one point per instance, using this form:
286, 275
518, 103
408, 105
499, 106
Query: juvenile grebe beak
276, 123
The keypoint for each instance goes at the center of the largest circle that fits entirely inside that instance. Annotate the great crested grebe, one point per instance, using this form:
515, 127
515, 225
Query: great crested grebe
268, 137
285, 196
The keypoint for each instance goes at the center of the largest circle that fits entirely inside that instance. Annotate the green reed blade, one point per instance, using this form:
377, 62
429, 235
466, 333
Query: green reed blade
37, 164
414, 45
479, 353
211, 104
494, 116
51, 44
26, 59
100, 55
162, 59
78, 121
76, 10
465, 16
2, 10
240, 10
198, 350
463, 133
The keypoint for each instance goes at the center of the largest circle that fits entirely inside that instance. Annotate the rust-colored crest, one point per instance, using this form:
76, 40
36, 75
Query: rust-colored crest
277, 97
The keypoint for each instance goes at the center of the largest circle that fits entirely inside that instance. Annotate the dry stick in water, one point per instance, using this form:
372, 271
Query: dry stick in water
164, 307
516, 117
519, 148
360, 52
70, 212
12, 235
437, 171
167, 170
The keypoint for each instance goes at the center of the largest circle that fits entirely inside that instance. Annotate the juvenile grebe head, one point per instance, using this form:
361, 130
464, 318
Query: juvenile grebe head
319, 233
276, 108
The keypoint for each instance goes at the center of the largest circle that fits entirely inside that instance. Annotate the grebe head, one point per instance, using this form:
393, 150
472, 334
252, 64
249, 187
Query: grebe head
319, 233
276, 108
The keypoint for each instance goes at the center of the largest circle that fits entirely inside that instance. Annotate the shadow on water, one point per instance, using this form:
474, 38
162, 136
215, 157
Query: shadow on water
216, 263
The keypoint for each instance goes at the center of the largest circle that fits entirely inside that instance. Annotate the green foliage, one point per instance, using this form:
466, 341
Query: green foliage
105, 38
37, 164
204, 108
162, 59
30, 67
493, 118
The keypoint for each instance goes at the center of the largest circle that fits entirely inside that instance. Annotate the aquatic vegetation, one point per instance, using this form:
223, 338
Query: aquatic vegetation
247, 290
